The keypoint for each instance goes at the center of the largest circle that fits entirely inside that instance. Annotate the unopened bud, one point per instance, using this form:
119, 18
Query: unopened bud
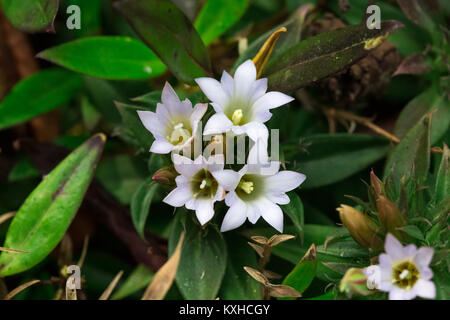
354, 283
361, 227
390, 217
376, 186
166, 176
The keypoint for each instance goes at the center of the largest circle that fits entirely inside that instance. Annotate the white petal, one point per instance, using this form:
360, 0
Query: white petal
228, 179
244, 77
204, 210
258, 89
410, 250
216, 162
218, 123
252, 213
393, 247
425, 289
231, 198
169, 96
197, 115
285, 181
186, 166
163, 114
280, 198
161, 147
262, 115
178, 196
181, 180
424, 256
151, 122
272, 100
271, 213
256, 130
425, 272
234, 217
213, 90
400, 294
227, 83
258, 154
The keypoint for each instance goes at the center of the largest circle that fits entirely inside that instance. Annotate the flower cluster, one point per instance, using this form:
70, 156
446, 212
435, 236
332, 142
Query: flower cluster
242, 106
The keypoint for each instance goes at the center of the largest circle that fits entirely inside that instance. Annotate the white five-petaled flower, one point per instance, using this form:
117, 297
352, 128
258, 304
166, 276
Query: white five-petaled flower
373, 275
241, 103
197, 189
405, 271
255, 191
175, 122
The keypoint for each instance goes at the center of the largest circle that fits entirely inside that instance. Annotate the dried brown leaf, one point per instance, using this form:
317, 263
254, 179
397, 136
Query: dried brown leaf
257, 275
282, 291
105, 295
279, 238
264, 53
163, 279
20, 288
259, 239
259, 250
272, 275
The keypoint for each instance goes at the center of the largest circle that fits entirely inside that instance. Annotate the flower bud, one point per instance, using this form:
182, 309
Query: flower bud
166, 176
361, 227
390, 217
354, 283
376, 186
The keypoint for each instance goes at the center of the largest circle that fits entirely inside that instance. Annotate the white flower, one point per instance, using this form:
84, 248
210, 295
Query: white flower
405, 271
175, 122
196, 188
241, 104
373, 275
255, 191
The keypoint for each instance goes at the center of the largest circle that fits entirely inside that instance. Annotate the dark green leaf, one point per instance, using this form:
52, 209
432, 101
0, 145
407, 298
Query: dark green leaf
137, 280
304, 272
217, 16
442, 189
203, 258
116, 58
24, 169
411, 157
413, 231
46, 214
38, 94
331, 158
323, 55
429, 100
31, 15
237, 284
294, 210
140, 204
170, 34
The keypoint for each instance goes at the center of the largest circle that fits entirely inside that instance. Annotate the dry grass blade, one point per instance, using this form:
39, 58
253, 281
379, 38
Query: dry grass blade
105, 295
264, 53
257, 275
163, 279
279, 238
20, 288
7, 216
282, 291
259, 239
259, 250
83, 251
11, 250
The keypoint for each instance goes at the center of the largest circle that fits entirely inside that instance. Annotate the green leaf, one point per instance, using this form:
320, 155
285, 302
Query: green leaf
170, 34
140, 204
31, 15
37, 94
203, 258
116, 58
294, 210
137, 280
217, 16
304, 272
411, 157
413, 231
237, 284
323, 55
46, 214
24, 169
429, 100
332, 158
133, 125
442, 189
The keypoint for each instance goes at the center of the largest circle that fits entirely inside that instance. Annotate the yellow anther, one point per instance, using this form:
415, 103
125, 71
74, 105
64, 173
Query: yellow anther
203, 184
247, 186
236, 118
179, 134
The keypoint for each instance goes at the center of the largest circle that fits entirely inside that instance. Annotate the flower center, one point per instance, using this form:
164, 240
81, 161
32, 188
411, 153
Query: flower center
247, 186
237, 116
179, 134
405, 275
204, 185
